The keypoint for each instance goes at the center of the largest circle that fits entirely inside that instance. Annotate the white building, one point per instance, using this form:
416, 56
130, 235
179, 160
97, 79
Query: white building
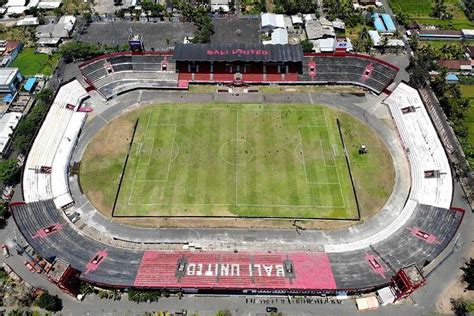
220, 5
52, 34
279, 36
270, 21
8, 123
10, 79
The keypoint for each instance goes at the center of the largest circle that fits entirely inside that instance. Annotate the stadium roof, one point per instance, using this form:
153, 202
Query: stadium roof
238, 52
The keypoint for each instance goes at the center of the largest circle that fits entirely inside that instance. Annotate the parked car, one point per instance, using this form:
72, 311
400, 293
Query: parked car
272, 309
6, 252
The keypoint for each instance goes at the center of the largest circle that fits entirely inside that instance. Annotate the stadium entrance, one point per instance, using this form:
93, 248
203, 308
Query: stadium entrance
238, 62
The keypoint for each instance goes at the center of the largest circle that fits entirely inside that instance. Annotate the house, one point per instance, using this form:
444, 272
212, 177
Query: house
16, 6
375, 37
451, 78
279, 36
8, 123
339, 25
270, 21
8, 51
456, 66
367, 2
28, 21
327, 45
220, 6
316, 30
469, 51
383, 23
297, 21
49, 4
426, 34
50, 35
467, 34
10, 80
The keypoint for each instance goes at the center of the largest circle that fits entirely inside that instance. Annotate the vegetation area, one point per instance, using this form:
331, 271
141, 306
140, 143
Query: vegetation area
51, 303
199, 15
344, 10
25, 34
9, 171
28, 126
79, 50
447, 14
467, 91
138, 296
31, 63
462, 306
295, 6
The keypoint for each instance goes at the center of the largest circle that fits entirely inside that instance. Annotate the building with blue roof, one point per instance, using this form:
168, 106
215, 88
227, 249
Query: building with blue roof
378, 23
30, 84
452, 78
389, 25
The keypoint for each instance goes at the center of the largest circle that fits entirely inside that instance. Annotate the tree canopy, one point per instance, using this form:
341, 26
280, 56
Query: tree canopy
51, 303
8, 171
468, 276
295, 6
199, 15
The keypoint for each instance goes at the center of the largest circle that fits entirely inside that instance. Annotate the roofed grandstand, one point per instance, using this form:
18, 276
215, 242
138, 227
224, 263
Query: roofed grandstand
231, 63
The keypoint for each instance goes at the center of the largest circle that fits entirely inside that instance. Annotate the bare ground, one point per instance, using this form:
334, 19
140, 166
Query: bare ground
455, 289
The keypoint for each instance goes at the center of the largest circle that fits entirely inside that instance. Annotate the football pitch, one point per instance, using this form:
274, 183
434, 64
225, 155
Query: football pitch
236, 161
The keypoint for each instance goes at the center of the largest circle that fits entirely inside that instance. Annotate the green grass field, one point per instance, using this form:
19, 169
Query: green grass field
468, 92
31, 63
235, 160
420, 11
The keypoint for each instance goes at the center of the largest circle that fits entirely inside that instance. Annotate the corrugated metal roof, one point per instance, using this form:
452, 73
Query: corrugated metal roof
238, 52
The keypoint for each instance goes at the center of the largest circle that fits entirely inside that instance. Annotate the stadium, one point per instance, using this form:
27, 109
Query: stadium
398, 247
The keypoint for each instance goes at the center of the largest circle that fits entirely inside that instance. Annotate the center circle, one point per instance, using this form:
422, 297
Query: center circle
236, 152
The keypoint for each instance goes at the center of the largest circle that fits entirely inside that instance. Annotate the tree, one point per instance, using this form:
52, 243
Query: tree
144, 295
8, 171
307, 46
402, 17
439, 9
383, 44
462, 307
468, 276
295, 6
118, 3
51, 303
469, 9
224, 312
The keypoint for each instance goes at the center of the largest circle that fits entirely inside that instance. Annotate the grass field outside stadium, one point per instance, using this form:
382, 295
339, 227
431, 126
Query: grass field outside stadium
234, 160
420, 11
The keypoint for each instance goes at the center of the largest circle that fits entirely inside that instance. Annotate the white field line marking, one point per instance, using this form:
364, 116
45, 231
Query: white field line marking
337, 172
248, 205
149, 155
322, 152
246, 109
169, 161
304, 162
310, 98
236, 157
171, 152
138, 163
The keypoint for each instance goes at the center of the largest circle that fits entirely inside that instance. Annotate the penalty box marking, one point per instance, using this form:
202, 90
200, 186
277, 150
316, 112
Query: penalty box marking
235, 204
139, 158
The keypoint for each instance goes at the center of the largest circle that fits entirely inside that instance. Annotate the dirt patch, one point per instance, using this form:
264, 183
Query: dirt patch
154, 222
456, 289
